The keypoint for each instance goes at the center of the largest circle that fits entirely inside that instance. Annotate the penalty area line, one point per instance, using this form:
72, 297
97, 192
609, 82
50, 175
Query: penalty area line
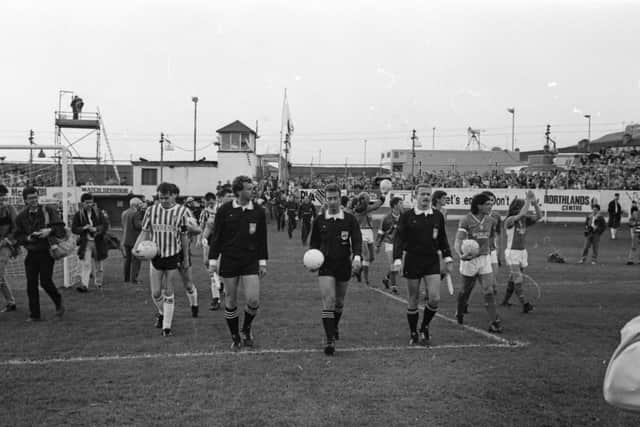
488, 335
253, 352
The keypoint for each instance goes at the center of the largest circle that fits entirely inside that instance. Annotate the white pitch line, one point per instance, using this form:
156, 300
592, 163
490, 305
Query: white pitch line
493, 337
144, 356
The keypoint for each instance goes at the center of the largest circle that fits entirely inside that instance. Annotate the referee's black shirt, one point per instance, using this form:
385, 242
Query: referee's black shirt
239, 233
421, 233
336, 236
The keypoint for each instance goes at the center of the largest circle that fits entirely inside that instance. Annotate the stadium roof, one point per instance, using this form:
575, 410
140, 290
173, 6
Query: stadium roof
236, 127
174, 163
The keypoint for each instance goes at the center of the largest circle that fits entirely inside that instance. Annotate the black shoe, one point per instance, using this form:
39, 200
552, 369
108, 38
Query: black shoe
394, 289
194, 311
330, 348
159, 319
495, 327
236, 344
9, 307
385, 282
60, 310
82, 289
415, 339
425, 338
215, 304
460, 318
506, 303
527, 307
247, 339
167, 332
629, 262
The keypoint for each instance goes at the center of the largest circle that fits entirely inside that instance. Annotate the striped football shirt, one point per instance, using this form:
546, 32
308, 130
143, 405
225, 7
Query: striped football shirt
166, 227
205, 215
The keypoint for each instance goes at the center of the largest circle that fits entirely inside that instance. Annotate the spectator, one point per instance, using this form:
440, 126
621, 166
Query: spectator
91, 225
594, 226
131, 227
32, 232
615, 215
7, 246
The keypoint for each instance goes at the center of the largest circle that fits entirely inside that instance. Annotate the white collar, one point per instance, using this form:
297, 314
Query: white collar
339, 215
421, 212
237, 205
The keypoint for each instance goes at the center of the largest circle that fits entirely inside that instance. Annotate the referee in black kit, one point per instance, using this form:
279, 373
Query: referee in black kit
336, 234
421, 234
240, 236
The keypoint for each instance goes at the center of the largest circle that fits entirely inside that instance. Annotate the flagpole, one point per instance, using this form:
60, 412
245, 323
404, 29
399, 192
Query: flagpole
280, 174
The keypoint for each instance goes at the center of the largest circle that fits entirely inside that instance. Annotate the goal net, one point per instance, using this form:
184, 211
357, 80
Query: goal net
49, 169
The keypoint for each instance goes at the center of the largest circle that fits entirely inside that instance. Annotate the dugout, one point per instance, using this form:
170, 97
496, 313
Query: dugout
113, 199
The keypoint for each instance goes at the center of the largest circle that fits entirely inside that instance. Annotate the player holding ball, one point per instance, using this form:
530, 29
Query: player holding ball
480, 227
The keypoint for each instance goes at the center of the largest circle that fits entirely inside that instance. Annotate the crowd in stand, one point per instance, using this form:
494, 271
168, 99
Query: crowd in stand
604, 170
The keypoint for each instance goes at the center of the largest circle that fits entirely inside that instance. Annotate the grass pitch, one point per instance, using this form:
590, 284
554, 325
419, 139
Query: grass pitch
105, 363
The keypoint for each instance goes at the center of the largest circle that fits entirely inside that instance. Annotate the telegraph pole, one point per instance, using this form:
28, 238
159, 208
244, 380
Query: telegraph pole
413, 155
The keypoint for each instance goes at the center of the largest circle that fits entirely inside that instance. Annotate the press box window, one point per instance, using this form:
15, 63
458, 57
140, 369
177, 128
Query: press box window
149, 176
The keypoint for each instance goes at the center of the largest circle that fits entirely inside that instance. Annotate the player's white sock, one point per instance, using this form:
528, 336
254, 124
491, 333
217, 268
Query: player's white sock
215, 287
167, 307
192, 296
159, 302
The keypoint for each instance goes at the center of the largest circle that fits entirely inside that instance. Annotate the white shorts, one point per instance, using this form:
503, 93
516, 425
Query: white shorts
494, 256
367, 235
388, 251
479, 265
516, 257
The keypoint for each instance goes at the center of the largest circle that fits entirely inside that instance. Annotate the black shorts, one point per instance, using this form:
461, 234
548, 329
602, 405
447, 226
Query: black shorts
235, 267
418, 266
338, 269
172, 262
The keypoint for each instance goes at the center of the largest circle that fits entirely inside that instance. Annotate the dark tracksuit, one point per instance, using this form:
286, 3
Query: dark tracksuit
292, 210
306, 213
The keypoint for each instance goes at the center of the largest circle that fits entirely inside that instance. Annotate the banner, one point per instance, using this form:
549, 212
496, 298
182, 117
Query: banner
556, 205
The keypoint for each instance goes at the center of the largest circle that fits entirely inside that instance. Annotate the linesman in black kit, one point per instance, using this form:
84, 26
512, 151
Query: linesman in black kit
337, 235
240, 236
421, 234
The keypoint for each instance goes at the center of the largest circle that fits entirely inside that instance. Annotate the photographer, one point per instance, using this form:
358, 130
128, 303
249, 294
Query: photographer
594, 226
91, 225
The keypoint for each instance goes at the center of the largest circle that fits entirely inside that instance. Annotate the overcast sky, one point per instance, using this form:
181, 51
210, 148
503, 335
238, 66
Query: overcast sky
354, 71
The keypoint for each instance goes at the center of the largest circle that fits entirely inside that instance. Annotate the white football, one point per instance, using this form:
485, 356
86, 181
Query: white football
470, 247
385, 186
147, 249
313, 259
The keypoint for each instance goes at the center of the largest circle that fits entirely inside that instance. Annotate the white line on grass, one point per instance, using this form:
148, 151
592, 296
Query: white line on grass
493, 337
266, 351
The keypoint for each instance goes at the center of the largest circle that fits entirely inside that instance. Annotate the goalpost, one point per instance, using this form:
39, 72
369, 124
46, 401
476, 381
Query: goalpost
54, 178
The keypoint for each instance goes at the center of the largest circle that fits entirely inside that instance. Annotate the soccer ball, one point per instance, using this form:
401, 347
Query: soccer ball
385, 186
313, 259
147, 249
470, 247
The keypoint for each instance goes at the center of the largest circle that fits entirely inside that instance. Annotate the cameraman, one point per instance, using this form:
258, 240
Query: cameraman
594, 226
